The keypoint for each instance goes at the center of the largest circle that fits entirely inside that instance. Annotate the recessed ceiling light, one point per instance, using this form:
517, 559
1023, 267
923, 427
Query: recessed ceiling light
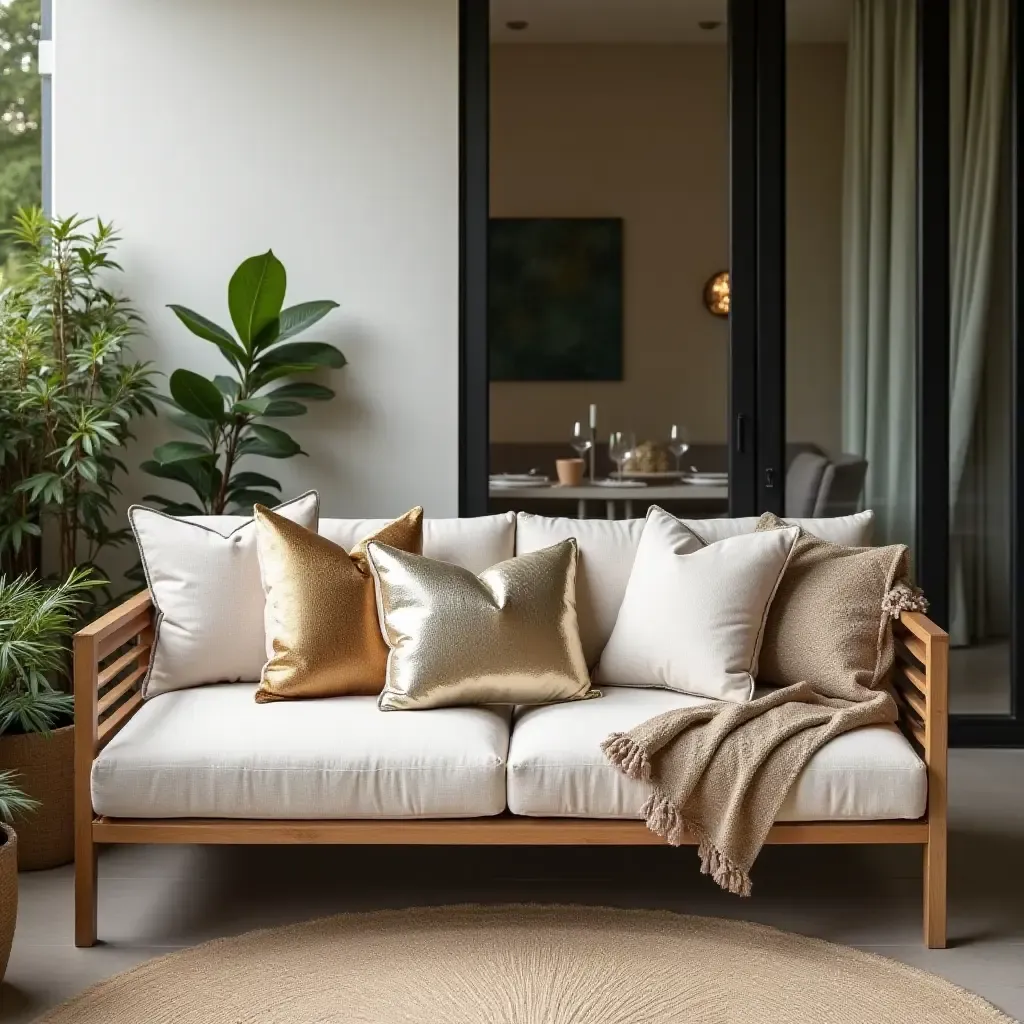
708, 26
517, 26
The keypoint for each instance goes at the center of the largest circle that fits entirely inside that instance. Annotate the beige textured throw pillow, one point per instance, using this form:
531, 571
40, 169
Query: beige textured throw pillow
692, 616
828, 624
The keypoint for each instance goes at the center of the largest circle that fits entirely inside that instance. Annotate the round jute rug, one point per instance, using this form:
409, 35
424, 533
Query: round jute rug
523, 965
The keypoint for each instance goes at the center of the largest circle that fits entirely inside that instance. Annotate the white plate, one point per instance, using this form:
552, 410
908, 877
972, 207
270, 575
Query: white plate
707, 479
619, 483
516, 479
511, 485
665, 477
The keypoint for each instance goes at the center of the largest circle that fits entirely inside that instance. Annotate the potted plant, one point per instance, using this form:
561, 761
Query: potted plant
228, 414
69, 394
12, 801
36, 731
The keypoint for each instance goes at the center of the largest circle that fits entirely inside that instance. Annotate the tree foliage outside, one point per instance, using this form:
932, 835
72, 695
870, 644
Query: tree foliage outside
20, 115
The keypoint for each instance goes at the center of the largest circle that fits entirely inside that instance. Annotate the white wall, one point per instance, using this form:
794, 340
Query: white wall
210, 131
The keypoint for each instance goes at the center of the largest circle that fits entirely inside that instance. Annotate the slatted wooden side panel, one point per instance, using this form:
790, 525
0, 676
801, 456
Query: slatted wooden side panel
122, 662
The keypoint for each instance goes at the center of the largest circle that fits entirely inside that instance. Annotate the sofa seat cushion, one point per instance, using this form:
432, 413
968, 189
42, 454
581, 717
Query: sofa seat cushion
213, 752
556, 768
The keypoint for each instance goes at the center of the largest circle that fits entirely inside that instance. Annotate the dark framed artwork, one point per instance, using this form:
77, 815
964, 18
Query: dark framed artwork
555, 298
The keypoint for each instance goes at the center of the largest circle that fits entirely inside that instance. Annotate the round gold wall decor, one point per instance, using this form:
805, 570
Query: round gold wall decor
528, 965
716, 294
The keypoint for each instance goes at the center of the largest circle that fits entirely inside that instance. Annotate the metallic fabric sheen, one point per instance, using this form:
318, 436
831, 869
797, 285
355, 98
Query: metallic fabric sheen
507, 636
321, 611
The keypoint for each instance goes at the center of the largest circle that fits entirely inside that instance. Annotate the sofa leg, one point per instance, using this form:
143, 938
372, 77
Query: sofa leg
935, 888
85, 892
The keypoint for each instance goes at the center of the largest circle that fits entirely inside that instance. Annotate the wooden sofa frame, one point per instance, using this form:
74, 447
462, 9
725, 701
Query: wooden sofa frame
111, 656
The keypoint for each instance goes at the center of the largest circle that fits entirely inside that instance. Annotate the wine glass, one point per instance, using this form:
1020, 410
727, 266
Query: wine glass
620, 447
581, 442
678, 442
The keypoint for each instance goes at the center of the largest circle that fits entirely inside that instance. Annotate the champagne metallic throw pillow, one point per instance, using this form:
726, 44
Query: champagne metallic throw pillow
507, 636
323, 636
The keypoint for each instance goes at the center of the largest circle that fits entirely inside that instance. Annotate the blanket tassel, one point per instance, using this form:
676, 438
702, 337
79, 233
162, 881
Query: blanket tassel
628, 755
665, 820
714, 863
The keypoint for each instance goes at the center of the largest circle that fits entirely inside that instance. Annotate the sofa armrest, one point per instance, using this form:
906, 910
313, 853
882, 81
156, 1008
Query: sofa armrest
111, 658
920, 683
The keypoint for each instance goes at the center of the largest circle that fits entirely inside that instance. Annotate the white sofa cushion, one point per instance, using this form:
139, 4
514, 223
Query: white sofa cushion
608, 547
213, 752
204, 575
693, 615
556, 768
854, 531
474, 543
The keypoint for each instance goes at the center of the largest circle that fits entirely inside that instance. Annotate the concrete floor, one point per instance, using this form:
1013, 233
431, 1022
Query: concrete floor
157, 899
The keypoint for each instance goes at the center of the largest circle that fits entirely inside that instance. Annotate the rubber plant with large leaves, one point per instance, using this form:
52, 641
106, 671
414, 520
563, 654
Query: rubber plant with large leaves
229, 413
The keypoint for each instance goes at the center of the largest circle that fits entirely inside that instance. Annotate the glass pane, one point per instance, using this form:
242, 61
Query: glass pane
610, 215
851, 180
980, 364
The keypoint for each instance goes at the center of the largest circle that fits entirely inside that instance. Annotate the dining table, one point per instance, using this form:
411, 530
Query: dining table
612, 495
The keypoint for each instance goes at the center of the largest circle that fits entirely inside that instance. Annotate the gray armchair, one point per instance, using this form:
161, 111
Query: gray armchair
819, 487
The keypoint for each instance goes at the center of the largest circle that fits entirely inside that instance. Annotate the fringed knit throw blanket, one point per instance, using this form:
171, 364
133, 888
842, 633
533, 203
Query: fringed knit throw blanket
720, 772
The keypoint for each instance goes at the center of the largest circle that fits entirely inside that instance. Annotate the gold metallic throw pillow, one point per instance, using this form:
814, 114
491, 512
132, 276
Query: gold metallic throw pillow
323, 636
507, 636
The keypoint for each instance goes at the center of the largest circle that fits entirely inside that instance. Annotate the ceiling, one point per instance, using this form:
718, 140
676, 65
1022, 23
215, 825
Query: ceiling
652, 21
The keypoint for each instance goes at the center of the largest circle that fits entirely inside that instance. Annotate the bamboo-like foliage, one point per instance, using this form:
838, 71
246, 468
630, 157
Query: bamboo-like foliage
69, 392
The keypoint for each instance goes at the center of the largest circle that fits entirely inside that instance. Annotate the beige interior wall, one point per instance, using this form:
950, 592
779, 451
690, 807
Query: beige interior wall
641, 132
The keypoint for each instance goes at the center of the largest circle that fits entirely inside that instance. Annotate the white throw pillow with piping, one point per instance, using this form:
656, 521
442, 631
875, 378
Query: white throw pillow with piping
693, 616
204, 577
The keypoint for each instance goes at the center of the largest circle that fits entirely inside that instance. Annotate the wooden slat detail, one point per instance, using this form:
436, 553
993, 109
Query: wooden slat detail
128, 630
113, 725
915, 646
921, 626
504, 830
108, 624
912, 699
116, 667
109, 699
913, 675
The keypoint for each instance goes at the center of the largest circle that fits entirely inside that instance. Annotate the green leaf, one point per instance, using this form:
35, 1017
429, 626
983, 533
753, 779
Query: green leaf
244, 481
197, 395
193, 424
269, 441
318, 353
181, 451
256, 295
267, 406
209, 331
227, 386
246, 499
173, 508
296, 319
262, 377
202, 476
313, 392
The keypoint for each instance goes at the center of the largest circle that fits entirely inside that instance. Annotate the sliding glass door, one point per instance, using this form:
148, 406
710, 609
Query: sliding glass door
863, 157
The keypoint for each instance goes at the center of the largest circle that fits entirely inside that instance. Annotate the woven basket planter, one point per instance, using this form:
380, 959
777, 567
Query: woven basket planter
46, 772
8, 893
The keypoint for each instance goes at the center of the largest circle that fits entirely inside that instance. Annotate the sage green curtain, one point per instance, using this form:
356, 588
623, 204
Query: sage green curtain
879, 271
979, 64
